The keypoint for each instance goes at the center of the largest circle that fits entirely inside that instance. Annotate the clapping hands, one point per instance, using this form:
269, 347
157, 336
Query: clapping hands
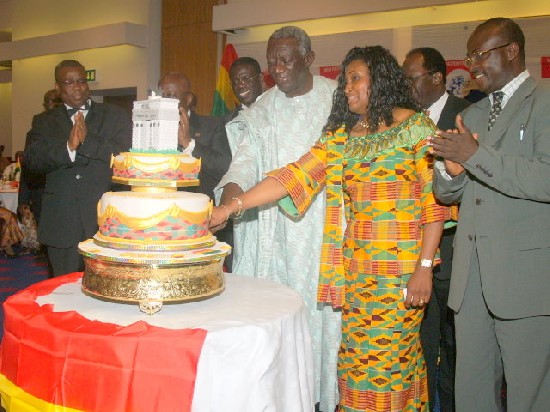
454, 146
78, 132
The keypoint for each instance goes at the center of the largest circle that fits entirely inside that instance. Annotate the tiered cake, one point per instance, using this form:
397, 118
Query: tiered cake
153, 244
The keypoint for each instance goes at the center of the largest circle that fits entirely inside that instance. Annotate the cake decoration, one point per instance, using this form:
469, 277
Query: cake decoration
156, 122
153, 244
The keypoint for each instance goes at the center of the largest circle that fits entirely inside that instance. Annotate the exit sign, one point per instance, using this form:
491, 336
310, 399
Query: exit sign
90, 75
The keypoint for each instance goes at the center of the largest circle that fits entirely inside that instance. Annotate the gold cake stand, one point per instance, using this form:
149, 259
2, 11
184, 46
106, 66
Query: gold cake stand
151, 278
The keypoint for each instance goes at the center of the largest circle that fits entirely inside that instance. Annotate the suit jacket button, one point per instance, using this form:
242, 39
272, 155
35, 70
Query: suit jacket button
479, 201
78, 177
470, 237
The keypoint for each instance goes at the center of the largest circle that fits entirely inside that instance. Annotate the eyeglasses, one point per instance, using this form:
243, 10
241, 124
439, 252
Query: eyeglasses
412, 78
71, 82
244, 79
480, 55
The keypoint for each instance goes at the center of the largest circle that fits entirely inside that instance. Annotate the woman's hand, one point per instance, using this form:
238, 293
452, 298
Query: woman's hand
419, 287
219, 218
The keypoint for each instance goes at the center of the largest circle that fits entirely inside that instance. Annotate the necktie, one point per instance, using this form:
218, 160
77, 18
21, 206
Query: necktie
496, 108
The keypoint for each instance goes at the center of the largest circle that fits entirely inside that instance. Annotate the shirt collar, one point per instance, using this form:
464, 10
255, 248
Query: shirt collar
434, 111
510, 88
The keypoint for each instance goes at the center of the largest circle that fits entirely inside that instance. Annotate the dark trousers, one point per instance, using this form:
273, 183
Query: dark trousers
437, 332
65, 260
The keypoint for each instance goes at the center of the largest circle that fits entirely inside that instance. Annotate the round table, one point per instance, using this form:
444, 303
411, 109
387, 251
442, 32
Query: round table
247, 349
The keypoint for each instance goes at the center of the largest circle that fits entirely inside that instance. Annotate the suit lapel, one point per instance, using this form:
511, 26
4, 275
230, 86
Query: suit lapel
509, 112
446, 115
94, 119
62, 118
93, 115
194, 126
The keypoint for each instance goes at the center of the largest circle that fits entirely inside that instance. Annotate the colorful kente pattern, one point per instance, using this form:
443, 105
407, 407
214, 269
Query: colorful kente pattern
169, 228
384, 181
167, 174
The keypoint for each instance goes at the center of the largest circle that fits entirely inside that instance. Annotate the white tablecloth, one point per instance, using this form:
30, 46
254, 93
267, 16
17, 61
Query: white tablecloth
8, 199
257, 353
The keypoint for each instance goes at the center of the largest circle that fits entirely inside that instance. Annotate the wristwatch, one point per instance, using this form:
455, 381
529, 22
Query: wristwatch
426, 263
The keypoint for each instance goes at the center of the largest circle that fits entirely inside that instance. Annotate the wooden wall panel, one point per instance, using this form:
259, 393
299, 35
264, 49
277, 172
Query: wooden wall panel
189, 45
178, 12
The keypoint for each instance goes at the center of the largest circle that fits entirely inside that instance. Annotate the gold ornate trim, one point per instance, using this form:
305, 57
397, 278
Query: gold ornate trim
141, 283
154, 245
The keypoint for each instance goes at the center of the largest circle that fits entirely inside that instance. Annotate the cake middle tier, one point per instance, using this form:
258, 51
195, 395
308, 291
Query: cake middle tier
156, 169
145, 220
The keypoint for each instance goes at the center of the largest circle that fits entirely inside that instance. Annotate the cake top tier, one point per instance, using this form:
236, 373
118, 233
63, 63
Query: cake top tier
156, 108
155, 124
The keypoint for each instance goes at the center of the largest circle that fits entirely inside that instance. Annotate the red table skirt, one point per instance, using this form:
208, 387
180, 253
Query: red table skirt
64, 359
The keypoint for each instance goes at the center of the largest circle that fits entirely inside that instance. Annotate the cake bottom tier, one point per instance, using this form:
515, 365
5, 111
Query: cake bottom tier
152, 285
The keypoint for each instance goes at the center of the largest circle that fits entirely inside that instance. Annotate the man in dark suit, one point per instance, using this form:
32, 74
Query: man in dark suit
497, 165
31, 185
73, 144
426, 70
247, 83
200, 136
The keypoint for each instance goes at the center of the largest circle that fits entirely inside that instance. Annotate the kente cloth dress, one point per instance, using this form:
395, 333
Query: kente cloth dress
10, 234
384, 183
30, 234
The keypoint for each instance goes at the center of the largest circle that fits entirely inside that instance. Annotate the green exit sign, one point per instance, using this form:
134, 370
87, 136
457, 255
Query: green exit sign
90, 75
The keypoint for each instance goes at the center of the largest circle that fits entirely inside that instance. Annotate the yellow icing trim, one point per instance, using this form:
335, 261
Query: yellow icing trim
149, 242
172, 162
152, 189
160, 182
16, 399
144, 223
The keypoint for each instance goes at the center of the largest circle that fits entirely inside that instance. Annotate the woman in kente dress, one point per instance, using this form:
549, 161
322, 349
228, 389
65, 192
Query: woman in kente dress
10, 234
376, 167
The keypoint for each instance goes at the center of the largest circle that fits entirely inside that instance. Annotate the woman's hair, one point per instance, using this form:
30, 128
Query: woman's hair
388, 89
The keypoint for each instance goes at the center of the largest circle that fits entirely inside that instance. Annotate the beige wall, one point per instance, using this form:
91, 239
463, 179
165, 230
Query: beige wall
5, 116
120, 39
251, 28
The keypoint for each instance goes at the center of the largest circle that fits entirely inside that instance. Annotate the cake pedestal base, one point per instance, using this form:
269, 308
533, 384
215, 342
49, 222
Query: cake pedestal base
152, 278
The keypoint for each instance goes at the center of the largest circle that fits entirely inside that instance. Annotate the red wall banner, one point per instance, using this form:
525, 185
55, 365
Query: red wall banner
332, 72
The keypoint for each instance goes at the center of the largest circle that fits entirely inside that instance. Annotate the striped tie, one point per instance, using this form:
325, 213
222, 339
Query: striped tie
496, 108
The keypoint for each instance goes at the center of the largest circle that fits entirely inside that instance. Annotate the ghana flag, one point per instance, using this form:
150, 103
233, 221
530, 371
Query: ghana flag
224, 98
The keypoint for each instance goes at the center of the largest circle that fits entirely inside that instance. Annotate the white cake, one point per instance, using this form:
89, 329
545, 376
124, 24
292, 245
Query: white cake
145, 220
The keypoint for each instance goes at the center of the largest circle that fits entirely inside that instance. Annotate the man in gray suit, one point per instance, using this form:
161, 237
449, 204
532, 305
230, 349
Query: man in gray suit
425, 69
498, 166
